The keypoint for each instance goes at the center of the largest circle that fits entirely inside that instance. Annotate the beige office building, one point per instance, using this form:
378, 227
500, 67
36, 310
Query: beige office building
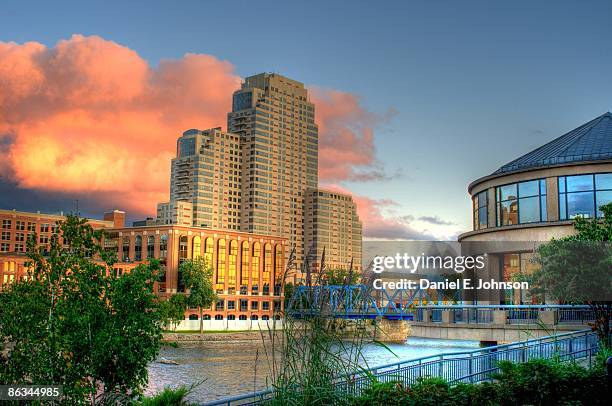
206, 173
276, 124
332, 224
177, 212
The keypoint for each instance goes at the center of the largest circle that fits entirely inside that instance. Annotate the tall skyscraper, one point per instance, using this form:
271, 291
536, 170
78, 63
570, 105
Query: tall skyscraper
207, 173
279, 137
332, 224
261, 176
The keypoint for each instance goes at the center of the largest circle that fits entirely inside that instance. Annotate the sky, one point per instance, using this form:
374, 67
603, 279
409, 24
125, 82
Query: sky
414, 100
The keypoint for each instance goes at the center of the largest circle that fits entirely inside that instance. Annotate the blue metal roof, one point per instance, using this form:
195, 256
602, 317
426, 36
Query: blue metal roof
589, 142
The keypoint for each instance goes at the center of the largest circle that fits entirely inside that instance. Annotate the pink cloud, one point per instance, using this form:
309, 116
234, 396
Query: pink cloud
376, 224
90, 115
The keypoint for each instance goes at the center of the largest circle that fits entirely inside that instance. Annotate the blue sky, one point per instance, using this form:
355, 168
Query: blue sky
473, 84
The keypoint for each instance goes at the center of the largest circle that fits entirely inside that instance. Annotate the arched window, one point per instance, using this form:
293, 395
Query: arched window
265, 317
193, 317
255, 263
254, 317
163, 246
278, 263
231, 317
277, 317
138, 248
267, 262
182, 249
221, 252
233, 256
206, 317
126, 249
244, 266
150, 246
218, 317
196, 251
208, 250
242, 317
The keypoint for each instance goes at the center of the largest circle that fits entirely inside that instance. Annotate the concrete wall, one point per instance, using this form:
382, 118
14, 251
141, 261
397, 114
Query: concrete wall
229, 325
485, 332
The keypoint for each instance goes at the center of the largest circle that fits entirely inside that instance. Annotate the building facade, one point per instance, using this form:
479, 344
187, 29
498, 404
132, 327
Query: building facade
177, 212
279, 138
535, 198
207, 172
333, 226
17, 226
247, 268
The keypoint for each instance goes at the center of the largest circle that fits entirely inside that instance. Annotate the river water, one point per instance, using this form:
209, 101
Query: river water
233, 368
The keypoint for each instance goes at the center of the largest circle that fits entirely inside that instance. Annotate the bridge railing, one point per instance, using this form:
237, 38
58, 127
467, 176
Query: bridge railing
466, 366
504, 314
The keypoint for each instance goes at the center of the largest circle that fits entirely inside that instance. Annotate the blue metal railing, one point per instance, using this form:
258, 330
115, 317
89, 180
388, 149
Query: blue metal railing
466, 366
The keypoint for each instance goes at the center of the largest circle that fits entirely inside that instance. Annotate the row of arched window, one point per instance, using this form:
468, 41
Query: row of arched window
232, 268
235, 263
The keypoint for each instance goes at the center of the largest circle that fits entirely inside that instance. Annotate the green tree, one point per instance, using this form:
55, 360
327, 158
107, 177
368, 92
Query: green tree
74, 323
578, 269
340, 276
288, 291
175, 309
197, 275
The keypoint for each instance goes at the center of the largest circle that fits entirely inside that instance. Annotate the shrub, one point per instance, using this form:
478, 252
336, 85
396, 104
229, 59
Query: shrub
168, 397
537, 382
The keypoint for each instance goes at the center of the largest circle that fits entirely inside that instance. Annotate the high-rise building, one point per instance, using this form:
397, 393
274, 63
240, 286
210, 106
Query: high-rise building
207, 173
175, 212
279, 138
332, 224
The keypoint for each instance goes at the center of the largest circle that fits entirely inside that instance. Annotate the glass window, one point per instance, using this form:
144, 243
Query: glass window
480, 211
163, 246
603, 181
530, 210
278, 262
244, 266
196, 247
603, 197
580, 204
233, 256
267, 262
531, 188
579, 183
138, 248
507, 192
150, 246
125, 246
255, 263
521, 203
208, 250
221, 262
583, 195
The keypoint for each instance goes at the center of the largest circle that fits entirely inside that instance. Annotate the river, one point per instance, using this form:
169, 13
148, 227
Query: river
231, 368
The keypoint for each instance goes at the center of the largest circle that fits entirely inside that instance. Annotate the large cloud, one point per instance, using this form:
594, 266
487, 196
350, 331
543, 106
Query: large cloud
90, 115
91, 119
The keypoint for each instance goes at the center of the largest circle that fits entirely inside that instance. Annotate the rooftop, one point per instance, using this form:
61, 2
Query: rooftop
591, 141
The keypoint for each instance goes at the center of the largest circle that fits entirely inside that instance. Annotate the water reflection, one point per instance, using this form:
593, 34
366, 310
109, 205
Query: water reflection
231, 368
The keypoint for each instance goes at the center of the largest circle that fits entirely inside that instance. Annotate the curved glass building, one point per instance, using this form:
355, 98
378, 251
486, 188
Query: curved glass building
536, 197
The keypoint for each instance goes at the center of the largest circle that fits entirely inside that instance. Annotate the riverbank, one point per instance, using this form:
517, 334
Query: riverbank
212, 336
